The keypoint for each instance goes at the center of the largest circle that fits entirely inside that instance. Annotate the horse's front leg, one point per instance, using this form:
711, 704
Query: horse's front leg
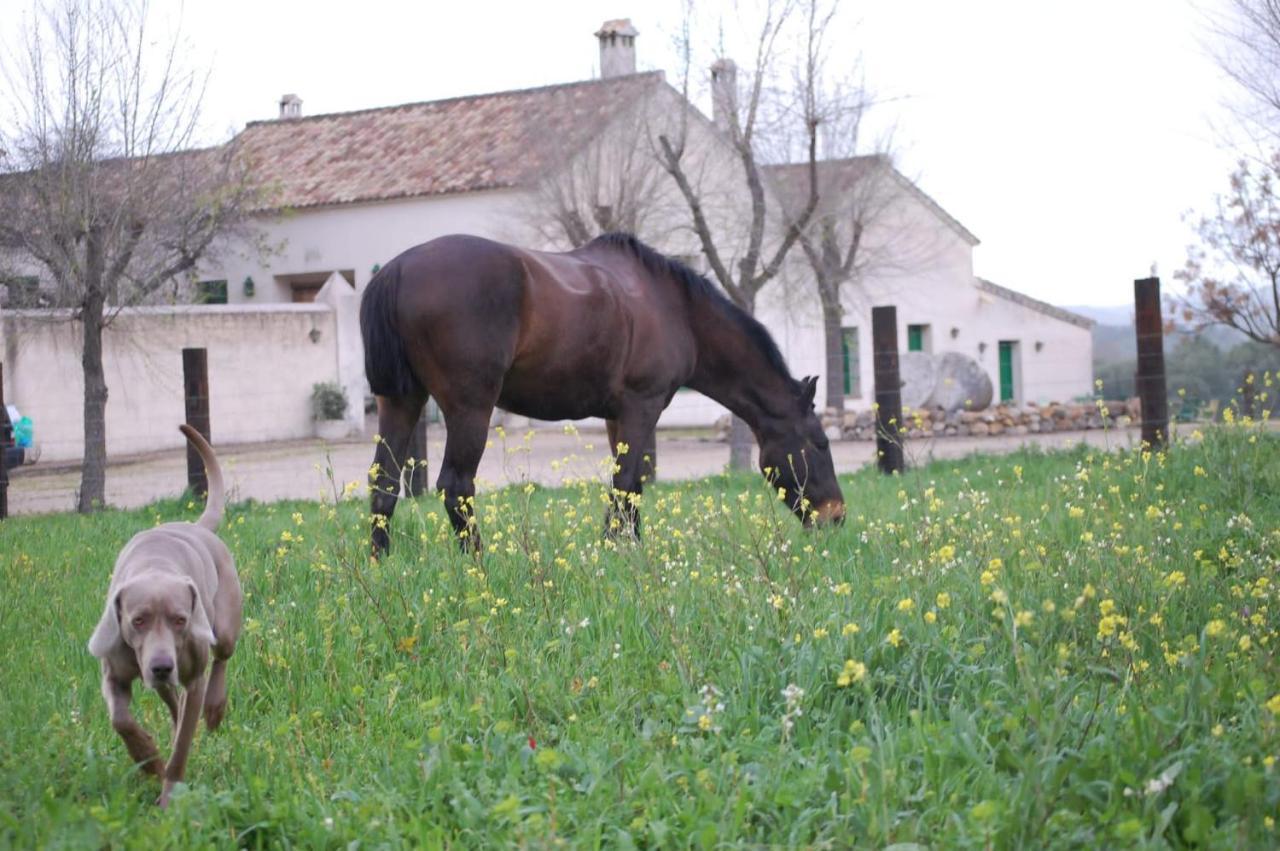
396, 418
634, 444
468, 431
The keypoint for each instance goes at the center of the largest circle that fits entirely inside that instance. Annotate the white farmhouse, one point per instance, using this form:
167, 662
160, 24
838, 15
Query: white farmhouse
351, 190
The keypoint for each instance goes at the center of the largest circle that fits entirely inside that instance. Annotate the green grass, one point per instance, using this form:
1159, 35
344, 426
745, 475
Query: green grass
1013, 652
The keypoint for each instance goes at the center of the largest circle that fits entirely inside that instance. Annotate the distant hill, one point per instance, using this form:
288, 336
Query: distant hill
1115, 340
1120, 314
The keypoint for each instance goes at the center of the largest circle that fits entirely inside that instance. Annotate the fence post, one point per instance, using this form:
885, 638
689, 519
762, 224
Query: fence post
1153, 392
417, 479
888, 390
1248, 394
195, 383
6, 440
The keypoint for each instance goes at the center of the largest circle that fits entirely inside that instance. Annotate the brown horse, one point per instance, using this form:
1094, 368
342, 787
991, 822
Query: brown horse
609, 330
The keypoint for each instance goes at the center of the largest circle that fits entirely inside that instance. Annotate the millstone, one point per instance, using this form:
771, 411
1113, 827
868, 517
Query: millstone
960, 379
919, 374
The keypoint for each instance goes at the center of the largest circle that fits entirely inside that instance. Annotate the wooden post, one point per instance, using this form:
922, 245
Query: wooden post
195, 383
1248, 394
6, 440
416, 481
884, 354
1153, 391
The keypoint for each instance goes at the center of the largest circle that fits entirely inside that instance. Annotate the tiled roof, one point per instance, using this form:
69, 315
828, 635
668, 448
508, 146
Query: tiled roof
438, 147
791, 180
1034, 304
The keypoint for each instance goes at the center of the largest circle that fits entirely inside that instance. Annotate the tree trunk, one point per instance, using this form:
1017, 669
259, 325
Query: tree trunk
833, 333
740, 437
740, 441
93, 475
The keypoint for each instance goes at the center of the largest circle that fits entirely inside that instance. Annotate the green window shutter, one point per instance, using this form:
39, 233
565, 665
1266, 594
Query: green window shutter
849, 361
213, 292
844, 360
1006, 371
915, 338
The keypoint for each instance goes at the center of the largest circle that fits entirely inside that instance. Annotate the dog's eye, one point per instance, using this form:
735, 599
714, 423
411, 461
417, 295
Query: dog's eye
179, 621
139, 620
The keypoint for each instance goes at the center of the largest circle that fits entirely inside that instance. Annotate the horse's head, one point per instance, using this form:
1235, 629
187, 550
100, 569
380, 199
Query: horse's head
795, 456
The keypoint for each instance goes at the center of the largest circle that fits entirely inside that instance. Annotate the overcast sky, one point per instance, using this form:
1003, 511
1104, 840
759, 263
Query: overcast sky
1070, 137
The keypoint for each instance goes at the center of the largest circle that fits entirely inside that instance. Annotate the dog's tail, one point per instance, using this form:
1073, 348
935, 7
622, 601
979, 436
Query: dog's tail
216, 499
386, 363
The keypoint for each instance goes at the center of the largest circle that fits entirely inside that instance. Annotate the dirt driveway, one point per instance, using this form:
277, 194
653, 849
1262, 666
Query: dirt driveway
301, 469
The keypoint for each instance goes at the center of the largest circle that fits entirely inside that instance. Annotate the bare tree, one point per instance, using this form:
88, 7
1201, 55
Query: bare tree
1233, 277
101, 190
613, 184
1249, 53
856, 196
753, 114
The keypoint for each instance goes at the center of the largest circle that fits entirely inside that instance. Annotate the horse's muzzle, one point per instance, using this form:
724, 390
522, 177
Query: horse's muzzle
830, 513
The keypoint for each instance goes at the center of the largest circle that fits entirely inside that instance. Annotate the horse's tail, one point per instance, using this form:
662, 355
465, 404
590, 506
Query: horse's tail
386, 364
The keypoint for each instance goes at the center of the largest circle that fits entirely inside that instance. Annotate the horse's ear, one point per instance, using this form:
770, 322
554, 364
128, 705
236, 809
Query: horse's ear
808, 391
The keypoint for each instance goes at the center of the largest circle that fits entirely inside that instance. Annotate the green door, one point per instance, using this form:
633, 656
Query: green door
1006, 370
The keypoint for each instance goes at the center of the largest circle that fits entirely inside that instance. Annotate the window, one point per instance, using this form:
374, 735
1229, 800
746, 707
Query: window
849, 363
303, 289
24, 292
918, 338
212, 292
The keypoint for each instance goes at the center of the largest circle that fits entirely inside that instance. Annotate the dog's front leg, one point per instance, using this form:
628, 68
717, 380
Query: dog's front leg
141, 747
188, 718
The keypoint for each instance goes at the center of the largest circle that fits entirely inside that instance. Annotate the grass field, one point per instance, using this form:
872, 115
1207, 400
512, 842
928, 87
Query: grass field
1064, 650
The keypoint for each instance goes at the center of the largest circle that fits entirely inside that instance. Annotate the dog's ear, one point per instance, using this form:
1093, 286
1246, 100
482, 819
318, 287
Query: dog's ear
106, 636
200, 627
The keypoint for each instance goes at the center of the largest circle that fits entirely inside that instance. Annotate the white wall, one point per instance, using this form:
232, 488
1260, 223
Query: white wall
357, 237
931, 284
262, 365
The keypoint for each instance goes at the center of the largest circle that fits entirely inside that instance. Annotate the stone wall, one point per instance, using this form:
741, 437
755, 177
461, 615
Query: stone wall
993, 422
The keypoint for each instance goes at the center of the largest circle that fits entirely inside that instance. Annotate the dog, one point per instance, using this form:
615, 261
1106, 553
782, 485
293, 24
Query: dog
174, 602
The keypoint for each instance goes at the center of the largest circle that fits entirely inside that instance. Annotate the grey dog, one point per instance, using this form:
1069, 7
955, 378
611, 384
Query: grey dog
174, 602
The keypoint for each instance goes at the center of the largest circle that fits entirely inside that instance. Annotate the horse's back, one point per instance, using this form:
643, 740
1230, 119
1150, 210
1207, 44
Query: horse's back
559, 335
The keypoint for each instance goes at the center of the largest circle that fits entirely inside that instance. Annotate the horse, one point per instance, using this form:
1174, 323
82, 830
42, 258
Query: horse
611, 329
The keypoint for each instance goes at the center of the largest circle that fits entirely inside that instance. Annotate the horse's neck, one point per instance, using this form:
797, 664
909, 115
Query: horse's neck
734, 371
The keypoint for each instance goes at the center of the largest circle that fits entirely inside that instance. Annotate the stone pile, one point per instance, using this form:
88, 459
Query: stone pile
1001, 419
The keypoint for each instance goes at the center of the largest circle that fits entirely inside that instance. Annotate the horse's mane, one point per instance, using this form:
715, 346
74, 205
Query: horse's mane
699, 288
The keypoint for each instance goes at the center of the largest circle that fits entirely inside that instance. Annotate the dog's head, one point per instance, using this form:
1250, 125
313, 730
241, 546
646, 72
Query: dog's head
158, 616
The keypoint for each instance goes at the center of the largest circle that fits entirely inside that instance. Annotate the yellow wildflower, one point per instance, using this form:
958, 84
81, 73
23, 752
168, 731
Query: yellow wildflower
851, 673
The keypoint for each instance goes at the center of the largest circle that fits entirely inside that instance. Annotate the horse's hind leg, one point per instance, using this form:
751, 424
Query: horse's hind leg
468, 430
397, 415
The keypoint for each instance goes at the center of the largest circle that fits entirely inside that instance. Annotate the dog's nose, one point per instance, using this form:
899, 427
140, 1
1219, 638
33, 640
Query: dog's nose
161, 669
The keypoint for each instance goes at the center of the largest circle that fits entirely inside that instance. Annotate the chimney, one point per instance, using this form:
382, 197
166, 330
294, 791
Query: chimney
724, 92
290, 107
617, 48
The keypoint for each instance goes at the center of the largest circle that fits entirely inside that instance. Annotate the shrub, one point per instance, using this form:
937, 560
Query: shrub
328, 401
